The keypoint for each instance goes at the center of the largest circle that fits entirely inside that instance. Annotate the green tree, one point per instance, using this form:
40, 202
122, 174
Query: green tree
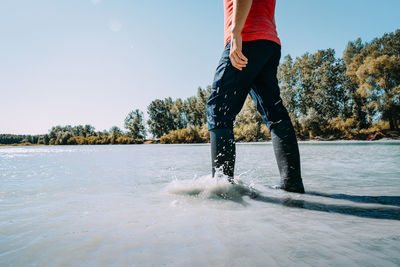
88, 130
320, 84
375, 71
313, 81
161, 119
46, 139
115, 132
355, 107
178, 113
311, 122
195, 107
379, 79
287, 83
134, 123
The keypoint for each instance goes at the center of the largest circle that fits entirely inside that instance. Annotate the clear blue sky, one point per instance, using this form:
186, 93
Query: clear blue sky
93, 61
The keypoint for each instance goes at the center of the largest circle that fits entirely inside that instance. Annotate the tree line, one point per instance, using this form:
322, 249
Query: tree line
353, 97
73, 135
325, 95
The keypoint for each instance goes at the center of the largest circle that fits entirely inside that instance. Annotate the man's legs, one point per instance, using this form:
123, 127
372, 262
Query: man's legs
266, 95
228, 94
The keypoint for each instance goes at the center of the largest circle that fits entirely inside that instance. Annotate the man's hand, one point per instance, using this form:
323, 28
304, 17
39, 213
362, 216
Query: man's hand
241, 9
236, 56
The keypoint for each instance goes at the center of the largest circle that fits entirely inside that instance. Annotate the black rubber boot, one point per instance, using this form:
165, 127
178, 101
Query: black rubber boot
287, 156
223, 152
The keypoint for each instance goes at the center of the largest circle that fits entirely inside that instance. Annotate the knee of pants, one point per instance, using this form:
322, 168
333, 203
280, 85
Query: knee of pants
218, 116
271, 113
275, 114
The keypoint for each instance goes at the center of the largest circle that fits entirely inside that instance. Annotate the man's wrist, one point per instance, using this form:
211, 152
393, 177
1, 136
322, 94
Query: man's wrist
236, 31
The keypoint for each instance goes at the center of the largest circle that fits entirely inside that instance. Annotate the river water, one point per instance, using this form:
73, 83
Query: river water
152, 205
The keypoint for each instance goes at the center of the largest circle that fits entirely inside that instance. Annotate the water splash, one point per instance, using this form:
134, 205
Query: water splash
207, 187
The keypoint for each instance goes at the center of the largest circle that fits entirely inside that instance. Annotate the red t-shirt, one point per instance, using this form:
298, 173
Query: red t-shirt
260, 23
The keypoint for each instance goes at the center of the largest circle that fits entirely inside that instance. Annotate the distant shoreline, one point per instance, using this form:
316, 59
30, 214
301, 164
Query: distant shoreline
152, 142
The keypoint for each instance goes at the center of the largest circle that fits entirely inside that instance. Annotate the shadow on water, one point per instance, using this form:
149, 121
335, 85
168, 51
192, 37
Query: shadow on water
210, 189
384, 200
387, 213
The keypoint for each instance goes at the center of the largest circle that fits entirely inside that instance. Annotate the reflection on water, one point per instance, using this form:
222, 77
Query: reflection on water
158, 205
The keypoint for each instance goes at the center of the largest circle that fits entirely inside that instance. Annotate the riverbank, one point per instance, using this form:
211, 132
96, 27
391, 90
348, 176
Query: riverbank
22, 144
305, 141
197, 135
261, 134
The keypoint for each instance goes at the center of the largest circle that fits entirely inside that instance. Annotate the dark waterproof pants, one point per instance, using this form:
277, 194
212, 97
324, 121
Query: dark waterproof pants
228, 94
